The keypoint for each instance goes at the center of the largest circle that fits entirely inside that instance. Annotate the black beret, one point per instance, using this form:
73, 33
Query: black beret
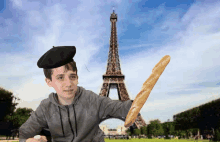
56, 57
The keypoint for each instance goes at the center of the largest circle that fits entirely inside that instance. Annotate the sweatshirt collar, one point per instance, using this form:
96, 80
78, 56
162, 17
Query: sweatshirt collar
54, 98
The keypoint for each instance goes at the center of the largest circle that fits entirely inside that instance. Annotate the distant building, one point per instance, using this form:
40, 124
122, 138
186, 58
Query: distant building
104, 129
112, 132
121, 130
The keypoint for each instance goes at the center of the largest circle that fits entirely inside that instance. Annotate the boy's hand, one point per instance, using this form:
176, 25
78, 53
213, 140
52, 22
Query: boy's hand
37, 138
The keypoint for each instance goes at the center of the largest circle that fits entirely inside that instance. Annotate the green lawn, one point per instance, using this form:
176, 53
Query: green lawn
10, 141
149, 140
153, 140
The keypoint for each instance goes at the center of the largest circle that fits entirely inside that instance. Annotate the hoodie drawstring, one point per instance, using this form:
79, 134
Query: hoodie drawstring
75, 119
61, 121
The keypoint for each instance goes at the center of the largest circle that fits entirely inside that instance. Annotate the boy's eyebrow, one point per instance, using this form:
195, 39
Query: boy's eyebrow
73, 74
63, 74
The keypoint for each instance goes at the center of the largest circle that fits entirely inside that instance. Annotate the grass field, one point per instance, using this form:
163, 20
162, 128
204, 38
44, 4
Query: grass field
7, 141
154, 140
145, 140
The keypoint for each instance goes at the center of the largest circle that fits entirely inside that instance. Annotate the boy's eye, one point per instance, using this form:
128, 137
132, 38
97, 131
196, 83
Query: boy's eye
60, 77
73, 77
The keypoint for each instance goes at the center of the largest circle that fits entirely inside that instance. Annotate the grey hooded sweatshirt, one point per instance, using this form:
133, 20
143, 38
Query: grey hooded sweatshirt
78, 122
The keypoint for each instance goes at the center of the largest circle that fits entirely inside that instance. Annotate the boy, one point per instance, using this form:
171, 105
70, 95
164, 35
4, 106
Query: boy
72, 114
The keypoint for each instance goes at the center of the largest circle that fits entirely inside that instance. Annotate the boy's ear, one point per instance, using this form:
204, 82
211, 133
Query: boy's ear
48, 81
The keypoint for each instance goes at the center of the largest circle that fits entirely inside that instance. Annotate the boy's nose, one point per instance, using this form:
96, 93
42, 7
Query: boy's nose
68, 82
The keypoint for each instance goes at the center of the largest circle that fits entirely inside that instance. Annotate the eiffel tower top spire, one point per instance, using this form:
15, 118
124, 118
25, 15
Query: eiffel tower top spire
113, 9
113, 15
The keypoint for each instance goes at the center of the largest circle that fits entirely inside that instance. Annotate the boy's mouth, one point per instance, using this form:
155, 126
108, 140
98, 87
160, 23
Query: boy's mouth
68, 90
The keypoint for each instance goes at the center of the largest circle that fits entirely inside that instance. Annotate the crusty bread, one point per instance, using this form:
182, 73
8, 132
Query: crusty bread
148, 85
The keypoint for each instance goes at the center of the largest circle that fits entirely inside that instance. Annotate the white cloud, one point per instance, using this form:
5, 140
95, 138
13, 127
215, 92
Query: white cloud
25, 5
149, 17
17, 3
35, 18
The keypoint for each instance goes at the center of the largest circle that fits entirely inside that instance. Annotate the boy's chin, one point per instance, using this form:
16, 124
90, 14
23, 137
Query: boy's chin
68, 95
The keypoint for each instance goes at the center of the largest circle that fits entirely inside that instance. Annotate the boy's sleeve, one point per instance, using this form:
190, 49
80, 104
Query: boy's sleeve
33, 126
111, 108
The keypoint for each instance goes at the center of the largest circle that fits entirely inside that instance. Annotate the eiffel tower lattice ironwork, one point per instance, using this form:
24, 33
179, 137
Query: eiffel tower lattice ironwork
113, 78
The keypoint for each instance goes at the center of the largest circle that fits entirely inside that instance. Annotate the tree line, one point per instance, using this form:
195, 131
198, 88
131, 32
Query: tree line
9, 113
156, 128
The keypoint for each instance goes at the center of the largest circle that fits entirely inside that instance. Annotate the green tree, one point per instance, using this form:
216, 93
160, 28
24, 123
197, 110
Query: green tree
189, 133
171, 128
155, 127
160, 130
144, 130
165, 127
149, 131
195, 131
182, 133
137, 132
217, 135
176, 133
19, 117
6, 103
128, 132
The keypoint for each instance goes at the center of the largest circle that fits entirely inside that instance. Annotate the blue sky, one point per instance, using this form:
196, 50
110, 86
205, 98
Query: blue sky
188, 31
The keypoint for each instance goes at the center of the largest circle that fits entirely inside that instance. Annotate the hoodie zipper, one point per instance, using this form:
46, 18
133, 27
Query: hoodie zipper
69, 121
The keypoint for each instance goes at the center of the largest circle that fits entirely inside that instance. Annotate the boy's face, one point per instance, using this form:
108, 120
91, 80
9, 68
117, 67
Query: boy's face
65, 83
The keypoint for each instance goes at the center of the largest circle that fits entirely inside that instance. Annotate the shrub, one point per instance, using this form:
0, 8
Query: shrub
216, 136
149, 136
167, 137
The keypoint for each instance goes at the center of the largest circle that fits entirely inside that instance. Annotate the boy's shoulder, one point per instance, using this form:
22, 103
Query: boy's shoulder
89, 93
45, 102
86, 93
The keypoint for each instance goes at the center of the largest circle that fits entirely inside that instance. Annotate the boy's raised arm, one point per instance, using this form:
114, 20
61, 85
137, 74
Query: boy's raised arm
114, 108
111, 108
33, 126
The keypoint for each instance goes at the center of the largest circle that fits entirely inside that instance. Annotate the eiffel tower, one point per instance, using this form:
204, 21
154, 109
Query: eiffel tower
113, 78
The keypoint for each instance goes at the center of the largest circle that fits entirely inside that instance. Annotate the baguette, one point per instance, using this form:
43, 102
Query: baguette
148, 85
